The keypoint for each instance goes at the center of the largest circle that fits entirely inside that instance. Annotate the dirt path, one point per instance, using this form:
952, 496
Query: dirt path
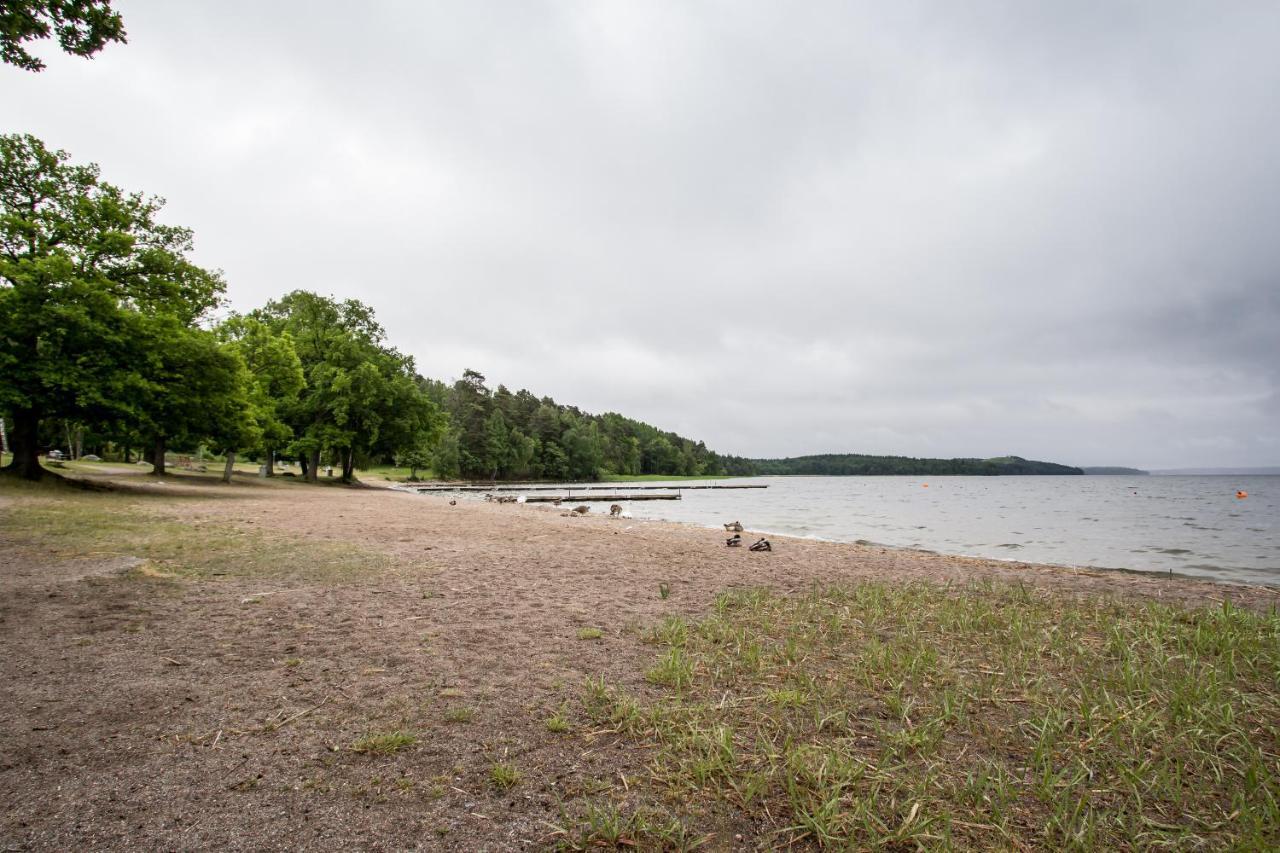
220, 713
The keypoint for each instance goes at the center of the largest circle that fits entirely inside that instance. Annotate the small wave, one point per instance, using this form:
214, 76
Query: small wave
1174, 551
1008, 545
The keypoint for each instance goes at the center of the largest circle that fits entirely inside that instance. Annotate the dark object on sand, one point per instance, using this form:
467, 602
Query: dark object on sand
733, 541
582, 510
734, 527
615, 510
762, 545
453, 503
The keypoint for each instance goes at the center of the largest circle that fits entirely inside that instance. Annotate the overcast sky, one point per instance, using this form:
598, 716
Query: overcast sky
936, 229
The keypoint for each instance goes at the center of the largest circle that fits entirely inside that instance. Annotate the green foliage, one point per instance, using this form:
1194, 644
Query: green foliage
82, 27
495, 434
361, 398
274, 377
90, 285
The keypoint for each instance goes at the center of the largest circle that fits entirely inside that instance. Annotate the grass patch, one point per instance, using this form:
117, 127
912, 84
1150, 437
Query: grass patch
590, 634
504, 776
384, 743
67, 525
459, 715
559, 722
605, 825
991, 716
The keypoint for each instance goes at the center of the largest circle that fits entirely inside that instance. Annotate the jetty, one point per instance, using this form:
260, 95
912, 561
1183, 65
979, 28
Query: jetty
547, 499
475, 487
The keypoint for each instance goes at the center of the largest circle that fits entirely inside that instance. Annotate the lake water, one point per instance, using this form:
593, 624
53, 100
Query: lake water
1190, 525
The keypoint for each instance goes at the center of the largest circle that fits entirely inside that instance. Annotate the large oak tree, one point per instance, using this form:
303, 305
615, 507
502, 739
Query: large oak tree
85, 271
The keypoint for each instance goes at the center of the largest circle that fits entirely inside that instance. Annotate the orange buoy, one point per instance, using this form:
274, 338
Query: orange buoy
1241, 495
924, 485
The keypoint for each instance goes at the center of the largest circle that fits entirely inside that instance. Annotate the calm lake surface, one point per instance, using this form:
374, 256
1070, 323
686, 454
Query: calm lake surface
1190, 525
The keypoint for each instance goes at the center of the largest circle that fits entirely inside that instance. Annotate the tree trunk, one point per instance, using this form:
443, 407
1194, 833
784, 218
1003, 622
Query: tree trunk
25, 443
78, 450
348, 464
313, 466
271, 461
302, 462
231, 464
157, 461
128, 454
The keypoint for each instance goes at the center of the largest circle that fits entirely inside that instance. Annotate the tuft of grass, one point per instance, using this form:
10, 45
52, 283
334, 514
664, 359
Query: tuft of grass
590, 634
504, 776
459, 715
915, 715
559, 721
605, 825
664, 591
384, 743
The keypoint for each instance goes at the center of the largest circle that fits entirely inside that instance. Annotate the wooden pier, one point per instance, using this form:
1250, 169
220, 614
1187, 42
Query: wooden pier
547, 499
472, 487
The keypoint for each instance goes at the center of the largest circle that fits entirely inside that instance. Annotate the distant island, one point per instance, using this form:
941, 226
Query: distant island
858, 464
1114, 469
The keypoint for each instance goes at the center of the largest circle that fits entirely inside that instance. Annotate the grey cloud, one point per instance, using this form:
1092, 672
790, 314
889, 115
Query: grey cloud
924, 228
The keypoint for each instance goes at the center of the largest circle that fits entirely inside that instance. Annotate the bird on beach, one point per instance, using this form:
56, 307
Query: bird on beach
734, 527
762, 545
453, 503
734, 541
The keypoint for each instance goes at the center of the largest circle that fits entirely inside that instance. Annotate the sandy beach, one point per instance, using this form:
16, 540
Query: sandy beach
217, 708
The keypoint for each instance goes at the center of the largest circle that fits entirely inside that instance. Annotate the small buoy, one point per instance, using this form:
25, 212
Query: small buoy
1241, 495
924, 485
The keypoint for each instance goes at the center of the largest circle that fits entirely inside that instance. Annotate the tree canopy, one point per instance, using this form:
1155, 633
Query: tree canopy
86, 275
497, 434
82, 28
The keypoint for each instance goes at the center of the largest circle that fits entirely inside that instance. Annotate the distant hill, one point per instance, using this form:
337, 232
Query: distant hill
858, 464
1114, 469
1271, 471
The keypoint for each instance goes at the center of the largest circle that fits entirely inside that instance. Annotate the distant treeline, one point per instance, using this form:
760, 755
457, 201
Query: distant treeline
1115, 469
497, 434
858, 464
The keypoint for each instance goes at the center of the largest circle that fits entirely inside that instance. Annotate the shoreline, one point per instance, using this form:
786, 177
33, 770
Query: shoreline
1074, 569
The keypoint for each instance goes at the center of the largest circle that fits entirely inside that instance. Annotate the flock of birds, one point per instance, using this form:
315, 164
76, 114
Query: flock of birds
735, 541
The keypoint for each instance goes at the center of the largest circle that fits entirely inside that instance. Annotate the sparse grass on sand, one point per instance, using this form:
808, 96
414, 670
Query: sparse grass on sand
73, 524
991, 716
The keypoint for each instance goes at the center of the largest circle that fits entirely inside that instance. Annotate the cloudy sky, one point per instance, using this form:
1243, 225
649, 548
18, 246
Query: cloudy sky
934, 229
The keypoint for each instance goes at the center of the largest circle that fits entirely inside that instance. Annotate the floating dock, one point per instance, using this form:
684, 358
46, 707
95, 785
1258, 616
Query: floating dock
472, 487
547, 499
